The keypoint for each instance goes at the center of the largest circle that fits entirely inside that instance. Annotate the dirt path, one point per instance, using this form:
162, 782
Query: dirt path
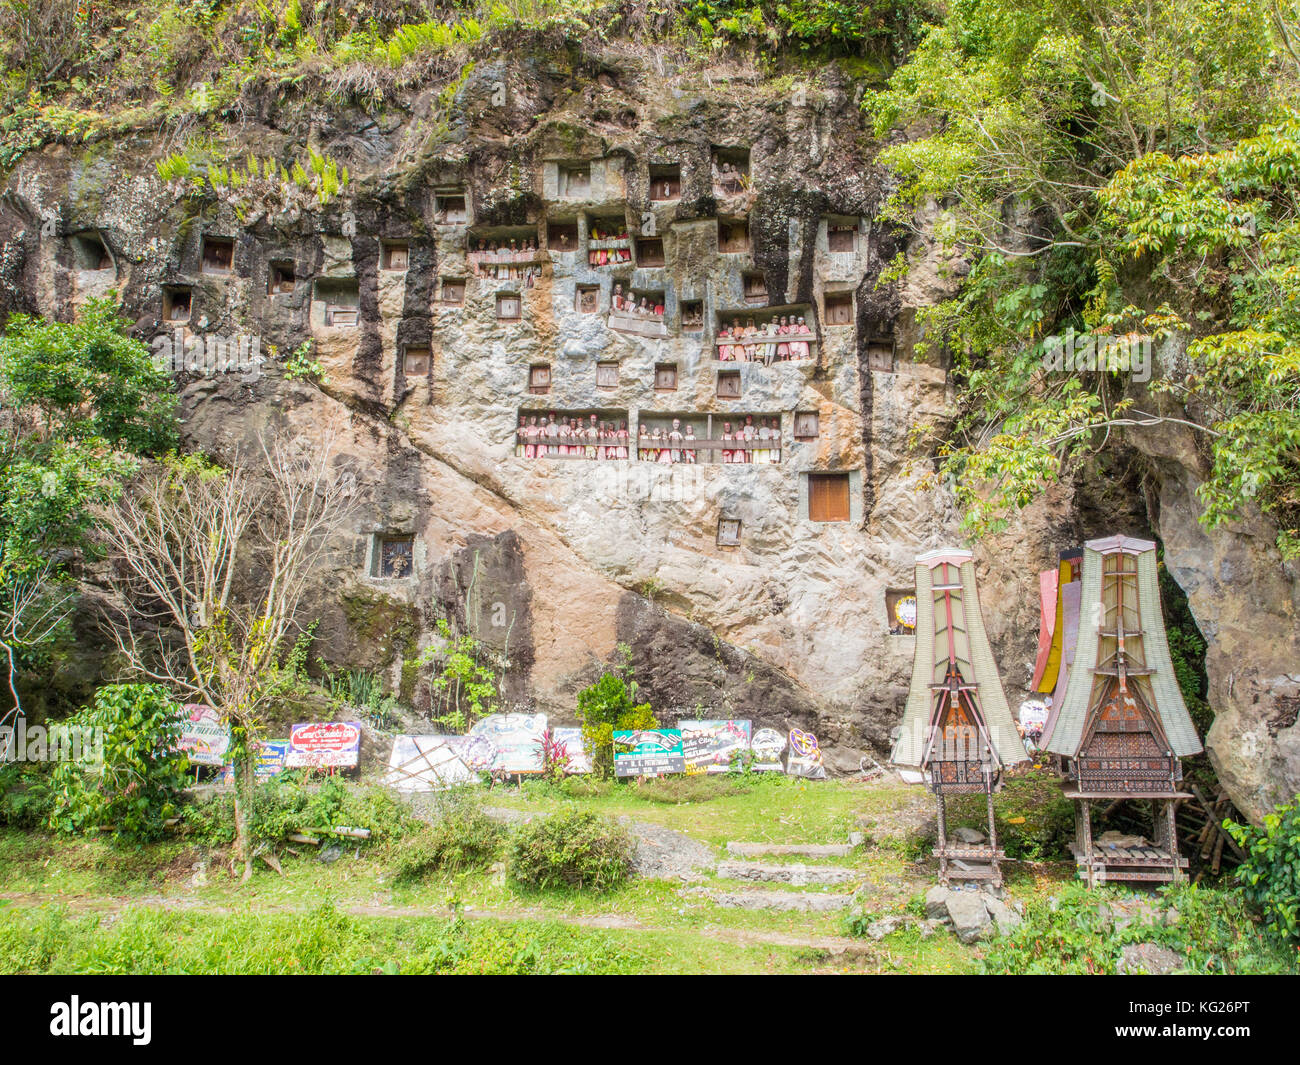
115, 906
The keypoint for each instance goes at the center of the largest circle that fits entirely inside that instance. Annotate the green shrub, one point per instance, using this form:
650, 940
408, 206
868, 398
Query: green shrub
694, 788
1270, 875
575, 848
283, 805
461, 837
609, 705
137, 785
47, 939
1072, 933
25, 798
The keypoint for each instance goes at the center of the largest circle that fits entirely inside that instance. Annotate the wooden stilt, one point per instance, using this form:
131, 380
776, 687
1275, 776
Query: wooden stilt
943, 838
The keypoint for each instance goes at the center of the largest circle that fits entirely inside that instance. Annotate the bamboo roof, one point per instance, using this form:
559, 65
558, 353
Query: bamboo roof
945, 588
1119, 611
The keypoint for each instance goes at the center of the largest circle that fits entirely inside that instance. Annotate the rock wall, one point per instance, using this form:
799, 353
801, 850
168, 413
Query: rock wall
554, 563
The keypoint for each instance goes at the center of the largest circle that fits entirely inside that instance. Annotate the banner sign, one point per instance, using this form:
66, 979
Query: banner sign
324, 745
203, 736
270, 758
805, 756
517, 738
648, 752
708, 746
428, 763
768, 747
571, 740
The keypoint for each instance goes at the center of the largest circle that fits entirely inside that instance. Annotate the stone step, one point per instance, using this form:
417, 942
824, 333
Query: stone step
795, 873
800, 901
804, 850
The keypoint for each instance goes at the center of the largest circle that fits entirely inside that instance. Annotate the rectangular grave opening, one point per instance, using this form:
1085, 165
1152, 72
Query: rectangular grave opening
586, 299
839, 308
730, 171
510, 306
395, 256
177, 301
450, 208
638, 311
755, 286
452, 290
342, 302
539, 379
764, 334
606, 375
279, 277
880, 354
807, 425
90, 252
575, 180
828, 497
417, 360
650, 251
218, 255
665, 181
733, 237
608, 243
693, 316
728, 532
394, 556
900, 611
666, 377
841, 236
728, 384
504, 253
562, 236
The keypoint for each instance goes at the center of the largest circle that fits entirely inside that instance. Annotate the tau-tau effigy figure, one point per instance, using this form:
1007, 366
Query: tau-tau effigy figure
957, 728
1122, 727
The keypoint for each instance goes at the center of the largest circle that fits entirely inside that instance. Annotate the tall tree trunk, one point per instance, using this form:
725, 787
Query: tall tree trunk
243, 850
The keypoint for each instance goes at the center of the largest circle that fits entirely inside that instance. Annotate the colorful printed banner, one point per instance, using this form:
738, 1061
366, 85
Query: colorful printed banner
517, 739
571, 738
428, 763
648, 752
270, 759
203, 735
768, 746
805, 756
708, 746
324, 745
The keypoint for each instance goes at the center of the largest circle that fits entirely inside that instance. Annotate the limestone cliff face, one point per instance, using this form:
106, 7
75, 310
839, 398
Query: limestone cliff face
556, 562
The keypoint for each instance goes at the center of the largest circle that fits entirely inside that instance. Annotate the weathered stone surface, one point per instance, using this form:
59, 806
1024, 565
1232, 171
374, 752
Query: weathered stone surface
936, 902
968, 915
806, 850
796, 873
969, 835
1004, 917
1149, 959
786, 901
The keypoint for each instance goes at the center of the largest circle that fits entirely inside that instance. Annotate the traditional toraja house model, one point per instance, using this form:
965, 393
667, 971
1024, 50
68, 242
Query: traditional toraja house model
957, 728
1122, 726
1058, 632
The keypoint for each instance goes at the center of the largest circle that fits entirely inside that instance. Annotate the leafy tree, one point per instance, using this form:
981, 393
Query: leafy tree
1270, 875
1124, 170
210, 568
137, 785
80, 403
607, 706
